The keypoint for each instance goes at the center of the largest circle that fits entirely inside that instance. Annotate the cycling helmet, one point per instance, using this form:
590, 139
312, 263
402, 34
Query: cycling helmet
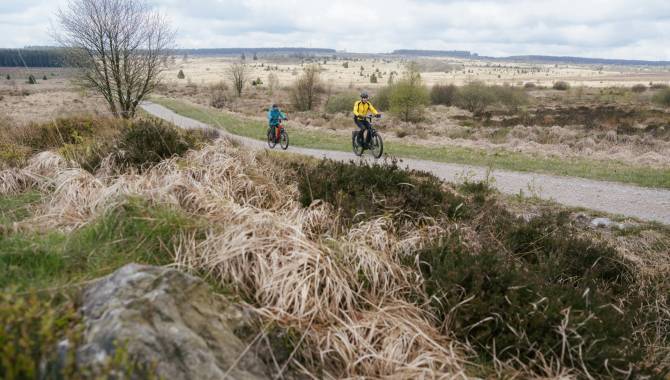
364, 95
274, 105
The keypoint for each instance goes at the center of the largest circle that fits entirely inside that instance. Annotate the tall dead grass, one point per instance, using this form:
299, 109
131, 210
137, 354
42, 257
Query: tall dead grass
346, 294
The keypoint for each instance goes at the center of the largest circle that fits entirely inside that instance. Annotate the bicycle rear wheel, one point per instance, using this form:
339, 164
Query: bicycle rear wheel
283, 139
377, 146
271, 140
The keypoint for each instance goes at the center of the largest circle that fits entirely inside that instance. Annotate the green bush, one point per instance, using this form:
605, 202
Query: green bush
510, 97
514, 314
8, 77
341, 102
533, 280
475, 97
443, 94
529, 85
63, 131
407, 100
31, 79
148, 141
561, 86
382, 99
44, 77
639, 88
180, 74
364, 190
663, 97
373, 78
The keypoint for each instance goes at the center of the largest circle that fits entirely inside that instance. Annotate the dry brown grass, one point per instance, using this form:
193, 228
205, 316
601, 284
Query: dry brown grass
344, 293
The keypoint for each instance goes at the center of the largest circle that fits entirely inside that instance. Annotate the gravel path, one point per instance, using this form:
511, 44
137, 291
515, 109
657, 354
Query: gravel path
614, 198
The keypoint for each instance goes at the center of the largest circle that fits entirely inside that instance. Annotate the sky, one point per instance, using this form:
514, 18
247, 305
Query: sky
622, 29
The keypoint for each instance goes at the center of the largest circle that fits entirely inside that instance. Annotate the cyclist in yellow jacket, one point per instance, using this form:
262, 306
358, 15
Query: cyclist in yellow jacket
361, 110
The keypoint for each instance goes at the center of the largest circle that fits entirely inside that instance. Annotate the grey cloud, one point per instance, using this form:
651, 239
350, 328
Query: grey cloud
610, 28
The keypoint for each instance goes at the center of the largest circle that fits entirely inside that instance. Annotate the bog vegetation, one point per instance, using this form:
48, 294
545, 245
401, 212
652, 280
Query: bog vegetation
374, 270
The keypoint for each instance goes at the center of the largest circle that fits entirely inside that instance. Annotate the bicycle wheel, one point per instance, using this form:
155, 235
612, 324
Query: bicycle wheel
283, 139
357, 148
271, 140
377, 146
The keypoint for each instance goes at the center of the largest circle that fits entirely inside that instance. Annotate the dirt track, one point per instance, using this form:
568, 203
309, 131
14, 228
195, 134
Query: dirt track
610, 197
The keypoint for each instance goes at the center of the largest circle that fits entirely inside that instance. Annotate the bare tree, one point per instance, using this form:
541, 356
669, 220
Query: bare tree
307, 88
120, 47
273, 82
238, 75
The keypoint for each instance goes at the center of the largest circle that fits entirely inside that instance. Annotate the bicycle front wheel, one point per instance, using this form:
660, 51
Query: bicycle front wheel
355, 144
377, 146
283, 140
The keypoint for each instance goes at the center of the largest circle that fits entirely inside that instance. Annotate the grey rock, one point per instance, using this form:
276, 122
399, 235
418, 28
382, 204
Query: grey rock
169, 320
602, 222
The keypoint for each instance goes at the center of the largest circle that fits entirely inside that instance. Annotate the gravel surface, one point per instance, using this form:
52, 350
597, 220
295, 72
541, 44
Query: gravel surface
611, 197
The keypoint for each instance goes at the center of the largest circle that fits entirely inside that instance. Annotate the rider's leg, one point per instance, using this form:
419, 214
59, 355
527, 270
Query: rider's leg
361, 127
368, 135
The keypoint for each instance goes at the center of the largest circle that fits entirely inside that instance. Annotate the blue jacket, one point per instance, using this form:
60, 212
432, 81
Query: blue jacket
274, 116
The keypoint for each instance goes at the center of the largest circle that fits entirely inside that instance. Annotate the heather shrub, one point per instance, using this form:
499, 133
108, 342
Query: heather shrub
443, 94
561, 86
662, 97
341, 102
639, 88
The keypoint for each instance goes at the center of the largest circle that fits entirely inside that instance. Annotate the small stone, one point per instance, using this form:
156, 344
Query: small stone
602, 222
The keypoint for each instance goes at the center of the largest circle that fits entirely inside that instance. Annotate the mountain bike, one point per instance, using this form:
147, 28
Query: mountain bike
281, 136
376, 145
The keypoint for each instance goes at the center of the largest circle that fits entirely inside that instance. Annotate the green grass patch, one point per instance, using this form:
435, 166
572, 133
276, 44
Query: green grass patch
16, 208
497, 159
133, 232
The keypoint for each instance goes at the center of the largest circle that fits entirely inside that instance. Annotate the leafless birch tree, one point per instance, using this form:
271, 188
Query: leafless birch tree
238, 76
120, 47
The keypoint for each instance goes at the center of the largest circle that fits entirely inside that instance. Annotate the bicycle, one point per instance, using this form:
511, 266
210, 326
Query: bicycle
280, 137
376, 143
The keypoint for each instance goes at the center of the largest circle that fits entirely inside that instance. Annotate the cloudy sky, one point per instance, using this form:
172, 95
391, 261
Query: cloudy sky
634, 29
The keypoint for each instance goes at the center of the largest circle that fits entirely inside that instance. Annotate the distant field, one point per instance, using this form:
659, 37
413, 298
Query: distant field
208, 70
499, 159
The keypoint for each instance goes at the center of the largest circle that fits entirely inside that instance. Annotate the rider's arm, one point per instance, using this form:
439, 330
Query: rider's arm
356, 108
372, 109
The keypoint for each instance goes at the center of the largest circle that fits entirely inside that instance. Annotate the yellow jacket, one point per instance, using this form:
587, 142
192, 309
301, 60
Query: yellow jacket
361, 109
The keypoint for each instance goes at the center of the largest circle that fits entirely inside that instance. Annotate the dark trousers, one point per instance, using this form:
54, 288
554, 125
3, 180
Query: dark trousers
363, 125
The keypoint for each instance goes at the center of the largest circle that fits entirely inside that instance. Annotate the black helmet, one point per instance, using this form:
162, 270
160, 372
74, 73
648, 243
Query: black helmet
274, 105
364, 95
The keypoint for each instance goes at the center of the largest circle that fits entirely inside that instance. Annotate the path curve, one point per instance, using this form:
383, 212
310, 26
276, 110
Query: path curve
611, 197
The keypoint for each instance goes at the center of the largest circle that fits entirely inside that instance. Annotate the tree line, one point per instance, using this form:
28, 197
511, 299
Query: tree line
31, 58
